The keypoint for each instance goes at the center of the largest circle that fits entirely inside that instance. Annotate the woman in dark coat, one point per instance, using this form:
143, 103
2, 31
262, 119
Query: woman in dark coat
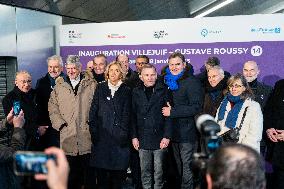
109, 127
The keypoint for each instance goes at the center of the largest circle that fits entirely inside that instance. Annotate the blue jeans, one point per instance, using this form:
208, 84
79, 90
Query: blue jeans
148, 160
183, 153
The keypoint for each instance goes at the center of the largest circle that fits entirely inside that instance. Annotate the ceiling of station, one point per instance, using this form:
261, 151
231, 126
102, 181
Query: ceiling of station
82, 11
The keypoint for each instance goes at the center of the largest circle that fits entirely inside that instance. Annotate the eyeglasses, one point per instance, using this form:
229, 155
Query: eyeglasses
235, 86
26, 81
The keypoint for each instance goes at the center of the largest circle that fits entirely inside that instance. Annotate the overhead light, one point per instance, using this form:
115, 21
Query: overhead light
212, 8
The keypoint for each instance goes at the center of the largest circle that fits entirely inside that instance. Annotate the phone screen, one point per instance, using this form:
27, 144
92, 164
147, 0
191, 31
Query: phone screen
30, 163
16, 107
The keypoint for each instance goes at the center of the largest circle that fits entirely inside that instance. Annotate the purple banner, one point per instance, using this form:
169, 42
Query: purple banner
269, 55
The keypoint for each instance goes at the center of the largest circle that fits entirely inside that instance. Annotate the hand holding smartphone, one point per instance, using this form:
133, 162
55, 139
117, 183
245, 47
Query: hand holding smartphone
30, 163
16, 108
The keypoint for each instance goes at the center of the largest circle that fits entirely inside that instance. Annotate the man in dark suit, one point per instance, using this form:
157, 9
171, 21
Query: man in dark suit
48, 135
274, 125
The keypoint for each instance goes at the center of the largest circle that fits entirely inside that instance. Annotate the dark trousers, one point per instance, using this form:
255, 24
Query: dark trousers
110, 179
152, 166
278, 177
79, 172
183, 153
135, 168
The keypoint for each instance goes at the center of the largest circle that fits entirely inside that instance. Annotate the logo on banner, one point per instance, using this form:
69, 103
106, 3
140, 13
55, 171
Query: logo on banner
115, 36
256, 50
73, 35
265, 30
204, 32
160, 34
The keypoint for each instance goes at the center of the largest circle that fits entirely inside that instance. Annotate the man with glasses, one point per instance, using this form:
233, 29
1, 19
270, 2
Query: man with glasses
24, 95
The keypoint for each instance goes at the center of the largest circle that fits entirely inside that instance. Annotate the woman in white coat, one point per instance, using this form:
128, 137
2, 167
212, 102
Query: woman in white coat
232, 110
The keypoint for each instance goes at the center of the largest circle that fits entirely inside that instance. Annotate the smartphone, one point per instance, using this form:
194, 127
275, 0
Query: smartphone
30, 163
16, 107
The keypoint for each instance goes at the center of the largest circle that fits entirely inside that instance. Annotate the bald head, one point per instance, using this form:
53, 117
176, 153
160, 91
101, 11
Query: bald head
124, 61
250, 70
23, 81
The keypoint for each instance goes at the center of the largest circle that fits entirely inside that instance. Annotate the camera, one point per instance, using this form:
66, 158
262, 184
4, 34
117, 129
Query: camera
209, 142
30, 163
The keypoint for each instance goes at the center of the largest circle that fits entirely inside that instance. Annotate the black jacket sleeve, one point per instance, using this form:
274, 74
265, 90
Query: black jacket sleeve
17, 143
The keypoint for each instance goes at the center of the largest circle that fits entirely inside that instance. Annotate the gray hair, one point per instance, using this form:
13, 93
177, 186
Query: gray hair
74, 59
220, 70
56, 58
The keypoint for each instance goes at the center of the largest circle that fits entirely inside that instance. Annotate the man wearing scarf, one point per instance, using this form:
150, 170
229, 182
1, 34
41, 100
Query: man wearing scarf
187, 103
25, 96
215, 88
69, 107
48, 135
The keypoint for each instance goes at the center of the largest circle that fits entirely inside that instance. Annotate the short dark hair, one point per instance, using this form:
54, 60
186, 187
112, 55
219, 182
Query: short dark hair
99, 56
236, 166
177, 54
213, 61
144, 56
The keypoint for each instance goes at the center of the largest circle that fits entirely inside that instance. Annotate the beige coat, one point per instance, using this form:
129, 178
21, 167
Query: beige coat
66, 108
251, 131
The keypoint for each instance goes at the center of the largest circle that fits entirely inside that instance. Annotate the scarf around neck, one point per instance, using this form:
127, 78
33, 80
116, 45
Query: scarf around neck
113, 88
171, 80
233, 113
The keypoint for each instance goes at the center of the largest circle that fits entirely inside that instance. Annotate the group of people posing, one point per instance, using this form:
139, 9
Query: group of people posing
109, 117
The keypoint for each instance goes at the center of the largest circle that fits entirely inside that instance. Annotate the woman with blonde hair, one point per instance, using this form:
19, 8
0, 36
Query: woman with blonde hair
109, 128
239, 110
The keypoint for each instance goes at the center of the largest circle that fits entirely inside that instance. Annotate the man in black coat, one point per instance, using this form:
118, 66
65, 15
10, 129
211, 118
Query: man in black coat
274, 125
210, 63
151, 131
100, 63
48, 135
25, 95
188, 98
12, 138
260, 91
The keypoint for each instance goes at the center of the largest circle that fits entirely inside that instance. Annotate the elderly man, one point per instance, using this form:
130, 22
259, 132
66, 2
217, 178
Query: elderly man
260, 90
100, 63
48, 135
130, 76
24, 95
215, 88
69, 107
235, 166
210, 63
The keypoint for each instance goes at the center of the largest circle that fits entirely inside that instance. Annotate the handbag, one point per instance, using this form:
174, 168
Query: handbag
233, 135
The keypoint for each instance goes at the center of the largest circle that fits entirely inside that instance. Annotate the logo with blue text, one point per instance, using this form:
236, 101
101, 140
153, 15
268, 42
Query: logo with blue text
205, 32
266, 30
160, 34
